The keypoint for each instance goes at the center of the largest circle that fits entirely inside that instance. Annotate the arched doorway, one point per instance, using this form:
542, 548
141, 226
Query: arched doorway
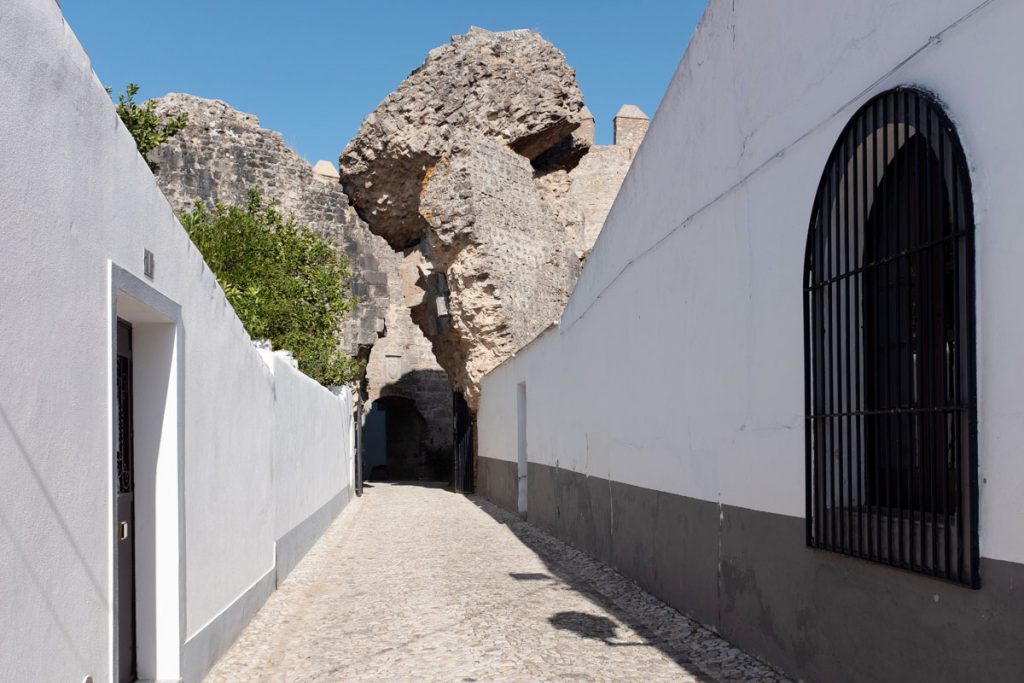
394, 441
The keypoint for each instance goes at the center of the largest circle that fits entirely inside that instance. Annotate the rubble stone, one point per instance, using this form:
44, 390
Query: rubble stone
513, 87
483, 160
222, 153
500, 273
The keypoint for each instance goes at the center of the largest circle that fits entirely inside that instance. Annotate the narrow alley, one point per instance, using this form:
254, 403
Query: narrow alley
419, 583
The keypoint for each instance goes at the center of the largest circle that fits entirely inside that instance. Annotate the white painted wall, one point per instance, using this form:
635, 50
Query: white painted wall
312, 446
522, 452
678, 363
77, 201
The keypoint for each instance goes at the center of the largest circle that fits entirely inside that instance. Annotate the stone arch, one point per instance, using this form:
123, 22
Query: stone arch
395, 440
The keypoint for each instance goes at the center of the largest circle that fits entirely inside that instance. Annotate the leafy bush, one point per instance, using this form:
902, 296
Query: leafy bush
149, 129
283, 280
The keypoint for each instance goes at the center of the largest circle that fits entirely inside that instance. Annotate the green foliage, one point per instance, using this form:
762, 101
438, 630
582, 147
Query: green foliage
149, 129
283, 280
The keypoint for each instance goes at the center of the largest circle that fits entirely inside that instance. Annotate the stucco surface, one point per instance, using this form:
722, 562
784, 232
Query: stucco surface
677, 366
694, 285
77, 201
749, 575
311, 445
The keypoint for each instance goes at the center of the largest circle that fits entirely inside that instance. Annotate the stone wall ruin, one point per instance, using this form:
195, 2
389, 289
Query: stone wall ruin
220, 155
466, 204
482, 163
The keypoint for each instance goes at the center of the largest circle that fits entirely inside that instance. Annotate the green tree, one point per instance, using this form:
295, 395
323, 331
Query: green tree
149, 129
283, 280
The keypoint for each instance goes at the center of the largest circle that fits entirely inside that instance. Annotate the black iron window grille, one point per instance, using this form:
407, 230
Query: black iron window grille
889, 346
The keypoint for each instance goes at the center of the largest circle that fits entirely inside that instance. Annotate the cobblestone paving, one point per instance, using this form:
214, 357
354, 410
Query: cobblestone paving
418, 583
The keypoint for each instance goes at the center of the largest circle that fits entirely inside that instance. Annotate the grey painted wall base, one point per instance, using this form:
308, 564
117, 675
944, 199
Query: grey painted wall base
496, 480
208, 645
748, 574
295, 543
202, 650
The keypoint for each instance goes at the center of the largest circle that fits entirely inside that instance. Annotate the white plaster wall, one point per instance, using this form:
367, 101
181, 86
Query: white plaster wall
75, 196
312, 447
678, 363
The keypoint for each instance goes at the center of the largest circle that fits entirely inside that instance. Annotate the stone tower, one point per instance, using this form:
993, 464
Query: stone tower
630, 127
587, 131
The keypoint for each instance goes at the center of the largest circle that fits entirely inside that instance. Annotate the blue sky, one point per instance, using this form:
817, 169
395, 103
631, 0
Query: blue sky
312, 69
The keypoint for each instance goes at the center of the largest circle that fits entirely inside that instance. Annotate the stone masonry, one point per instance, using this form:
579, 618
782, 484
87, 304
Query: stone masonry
630, 128
222, 153
596, 180
483, 162
477, 246
513, 88
493, 245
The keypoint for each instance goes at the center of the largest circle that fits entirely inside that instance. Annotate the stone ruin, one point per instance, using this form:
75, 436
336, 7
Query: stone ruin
219, 156
466, 204
482, 166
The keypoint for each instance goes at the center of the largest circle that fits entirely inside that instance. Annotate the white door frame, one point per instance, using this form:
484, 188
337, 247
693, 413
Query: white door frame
522, 461
159, 369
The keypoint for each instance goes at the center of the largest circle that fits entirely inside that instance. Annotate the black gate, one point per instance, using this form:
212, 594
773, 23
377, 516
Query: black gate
889, 344
462, 474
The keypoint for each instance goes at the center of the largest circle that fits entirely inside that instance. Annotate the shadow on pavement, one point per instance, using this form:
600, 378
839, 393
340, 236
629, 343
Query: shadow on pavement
370, 483
669, 639
591, 626
519, 576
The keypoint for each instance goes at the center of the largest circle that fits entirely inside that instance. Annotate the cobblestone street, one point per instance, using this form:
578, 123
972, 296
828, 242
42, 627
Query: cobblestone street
418, 583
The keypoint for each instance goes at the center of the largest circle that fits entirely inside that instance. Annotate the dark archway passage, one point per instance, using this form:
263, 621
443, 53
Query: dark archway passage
395, 434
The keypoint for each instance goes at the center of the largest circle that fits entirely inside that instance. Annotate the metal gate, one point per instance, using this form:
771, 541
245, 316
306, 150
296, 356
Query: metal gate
889, 344
462, 471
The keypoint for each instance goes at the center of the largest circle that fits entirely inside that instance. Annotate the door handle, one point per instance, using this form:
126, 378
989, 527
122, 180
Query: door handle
122, 531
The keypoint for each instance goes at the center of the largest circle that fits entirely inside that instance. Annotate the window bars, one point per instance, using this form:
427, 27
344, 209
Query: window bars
891, 440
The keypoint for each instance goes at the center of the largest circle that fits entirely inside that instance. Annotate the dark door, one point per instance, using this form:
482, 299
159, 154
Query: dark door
124, 465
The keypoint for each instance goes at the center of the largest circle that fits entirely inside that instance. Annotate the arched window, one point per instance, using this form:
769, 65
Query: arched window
889, 344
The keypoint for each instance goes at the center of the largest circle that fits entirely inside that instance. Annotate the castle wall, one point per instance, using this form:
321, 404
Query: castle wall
473, 160
594, 185
630, 128
224, 152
